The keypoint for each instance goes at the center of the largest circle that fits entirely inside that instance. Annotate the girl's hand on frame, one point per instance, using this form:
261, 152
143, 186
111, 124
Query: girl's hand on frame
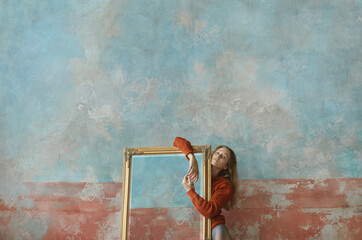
193, 171
186, 182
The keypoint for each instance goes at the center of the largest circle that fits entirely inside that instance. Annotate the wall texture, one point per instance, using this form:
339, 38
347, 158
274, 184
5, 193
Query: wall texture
277, 81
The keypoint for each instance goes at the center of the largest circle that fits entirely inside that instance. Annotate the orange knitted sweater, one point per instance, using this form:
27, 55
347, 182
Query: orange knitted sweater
221, 191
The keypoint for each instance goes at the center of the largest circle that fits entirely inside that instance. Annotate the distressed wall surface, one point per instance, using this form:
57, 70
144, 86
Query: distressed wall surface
265, 209
277, 81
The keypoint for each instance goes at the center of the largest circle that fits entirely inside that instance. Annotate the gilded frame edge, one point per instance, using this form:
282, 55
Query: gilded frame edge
127, 164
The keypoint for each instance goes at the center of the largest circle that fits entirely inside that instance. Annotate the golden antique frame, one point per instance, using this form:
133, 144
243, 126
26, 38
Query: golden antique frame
127, 164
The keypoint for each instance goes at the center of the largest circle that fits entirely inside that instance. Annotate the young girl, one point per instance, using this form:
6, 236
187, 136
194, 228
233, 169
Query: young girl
223, 185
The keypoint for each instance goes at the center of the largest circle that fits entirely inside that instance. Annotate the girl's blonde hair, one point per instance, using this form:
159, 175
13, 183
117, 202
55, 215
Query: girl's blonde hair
231, 174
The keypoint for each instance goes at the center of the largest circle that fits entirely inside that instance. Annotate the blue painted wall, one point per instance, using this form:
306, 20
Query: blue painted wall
156, 181
278, 81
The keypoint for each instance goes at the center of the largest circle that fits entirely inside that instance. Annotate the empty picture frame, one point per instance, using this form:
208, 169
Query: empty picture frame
153, 196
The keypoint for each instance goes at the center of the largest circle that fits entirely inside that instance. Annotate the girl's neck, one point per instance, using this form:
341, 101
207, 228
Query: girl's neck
214, 171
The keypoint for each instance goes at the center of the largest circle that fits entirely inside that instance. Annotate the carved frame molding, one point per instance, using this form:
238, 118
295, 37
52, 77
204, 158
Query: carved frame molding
127, 165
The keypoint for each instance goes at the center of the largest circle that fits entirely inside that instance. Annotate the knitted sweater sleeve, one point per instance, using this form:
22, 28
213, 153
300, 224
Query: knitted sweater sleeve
184, 146
220, 197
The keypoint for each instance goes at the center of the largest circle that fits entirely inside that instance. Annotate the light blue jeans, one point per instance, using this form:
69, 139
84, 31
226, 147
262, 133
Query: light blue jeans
220, 232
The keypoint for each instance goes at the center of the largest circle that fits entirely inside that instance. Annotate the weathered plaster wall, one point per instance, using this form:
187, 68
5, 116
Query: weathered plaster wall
266, 209
278, 81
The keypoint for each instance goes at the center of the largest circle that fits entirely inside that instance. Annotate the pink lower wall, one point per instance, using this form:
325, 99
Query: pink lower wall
298, 209
266, 209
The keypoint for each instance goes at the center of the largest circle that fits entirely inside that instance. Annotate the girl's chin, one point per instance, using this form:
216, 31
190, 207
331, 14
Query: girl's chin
212, 165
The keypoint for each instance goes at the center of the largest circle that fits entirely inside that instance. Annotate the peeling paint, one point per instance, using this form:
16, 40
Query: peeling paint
253, 231
279, 201
92, 191
354, 198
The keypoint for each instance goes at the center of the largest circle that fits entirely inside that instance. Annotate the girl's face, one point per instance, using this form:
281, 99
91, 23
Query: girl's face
221, 158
